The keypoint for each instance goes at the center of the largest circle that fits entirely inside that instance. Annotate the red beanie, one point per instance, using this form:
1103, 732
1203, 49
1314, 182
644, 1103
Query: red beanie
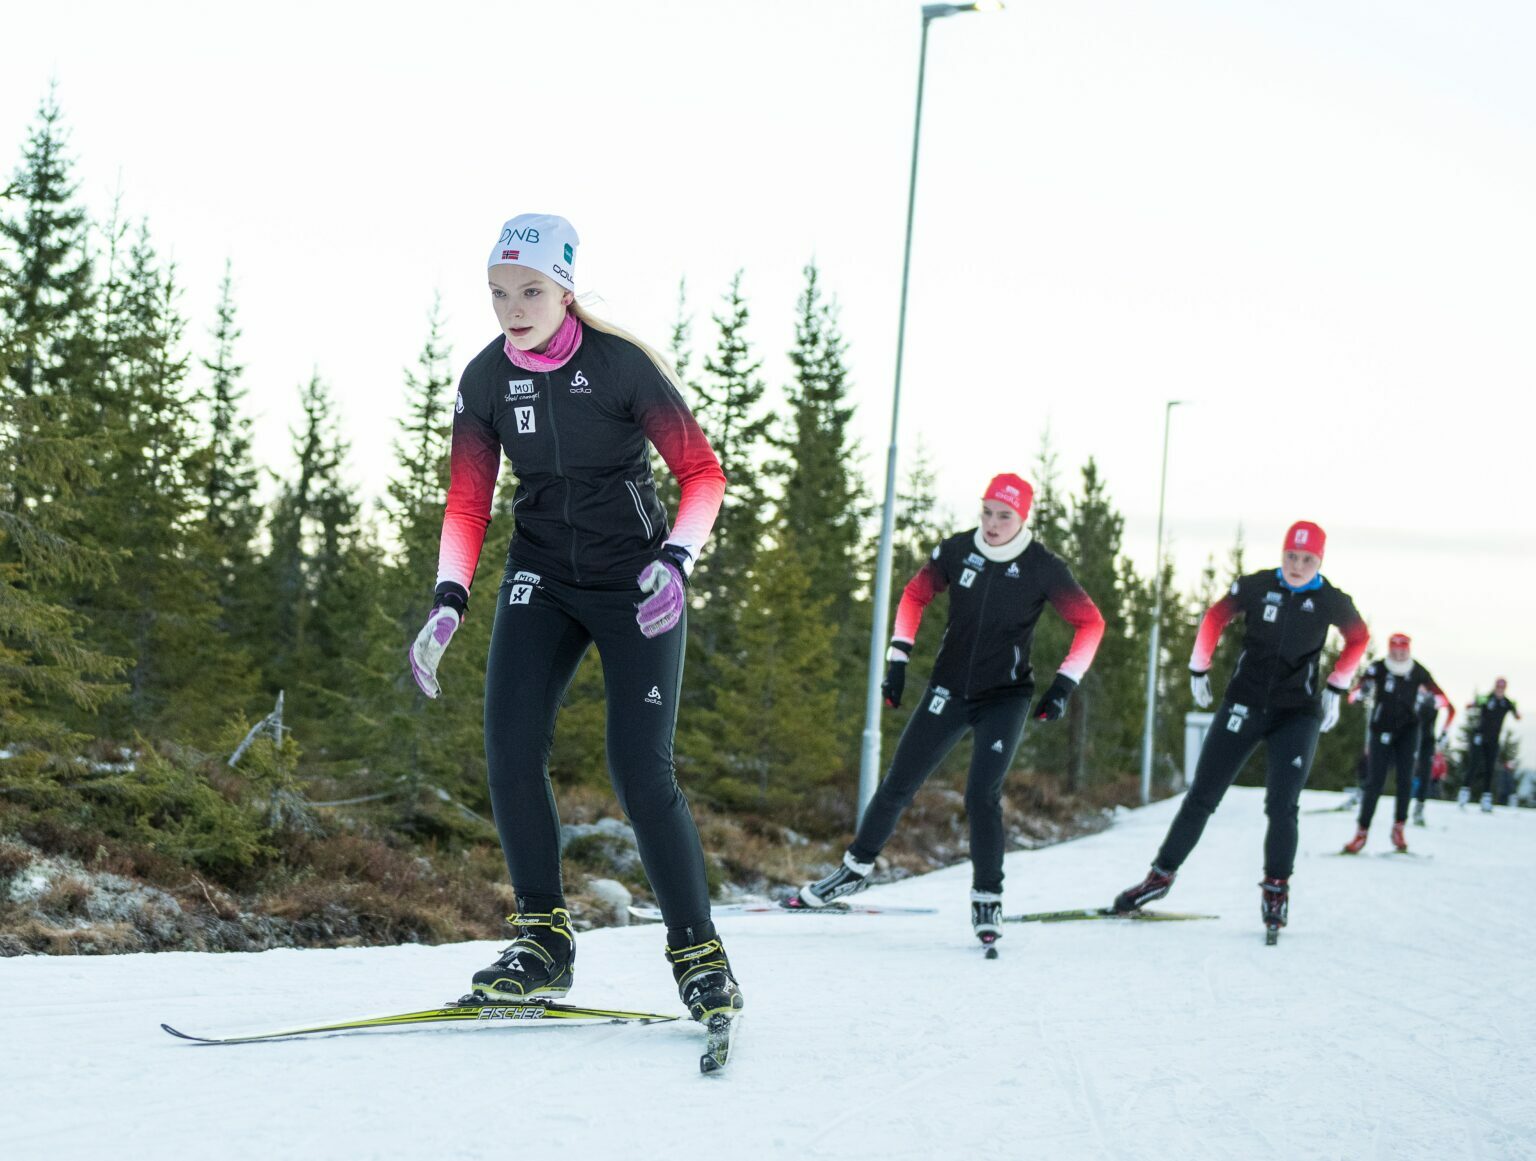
1012, 490
1399, 641
1305, 536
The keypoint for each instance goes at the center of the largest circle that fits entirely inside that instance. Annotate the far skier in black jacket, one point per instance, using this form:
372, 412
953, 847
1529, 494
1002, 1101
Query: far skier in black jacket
1276, 696
1396, 684
999, 580
1483, 758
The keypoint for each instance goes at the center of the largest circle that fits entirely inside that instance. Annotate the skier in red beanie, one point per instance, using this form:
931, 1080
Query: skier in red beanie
1275, 696
999, 578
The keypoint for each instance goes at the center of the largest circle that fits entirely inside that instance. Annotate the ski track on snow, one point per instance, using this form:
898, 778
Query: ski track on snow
1395, 1020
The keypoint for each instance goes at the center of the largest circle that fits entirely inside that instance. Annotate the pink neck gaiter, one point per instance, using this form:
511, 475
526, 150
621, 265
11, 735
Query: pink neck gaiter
557, 353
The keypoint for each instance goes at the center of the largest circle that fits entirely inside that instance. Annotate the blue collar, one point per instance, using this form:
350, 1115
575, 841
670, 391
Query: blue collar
1315, 583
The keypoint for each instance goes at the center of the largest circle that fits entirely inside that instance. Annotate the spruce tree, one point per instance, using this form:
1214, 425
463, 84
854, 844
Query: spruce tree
163, 609
44, 465
231, 511
45, 296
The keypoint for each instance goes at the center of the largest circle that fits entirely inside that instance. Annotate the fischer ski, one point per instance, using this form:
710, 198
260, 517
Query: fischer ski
473, 1012
1103, 913
792, 905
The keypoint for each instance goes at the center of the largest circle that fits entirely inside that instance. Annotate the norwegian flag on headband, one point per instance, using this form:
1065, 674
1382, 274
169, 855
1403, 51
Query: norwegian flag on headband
1305, 536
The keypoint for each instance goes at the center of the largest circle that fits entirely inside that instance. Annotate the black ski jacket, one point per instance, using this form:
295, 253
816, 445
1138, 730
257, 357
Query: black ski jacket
1284, 631
993, 608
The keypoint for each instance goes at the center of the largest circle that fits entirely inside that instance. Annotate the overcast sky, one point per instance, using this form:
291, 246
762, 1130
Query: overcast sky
1313, 220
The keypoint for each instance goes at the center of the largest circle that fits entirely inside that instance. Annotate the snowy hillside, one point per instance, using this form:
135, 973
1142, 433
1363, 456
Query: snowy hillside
1396, 1019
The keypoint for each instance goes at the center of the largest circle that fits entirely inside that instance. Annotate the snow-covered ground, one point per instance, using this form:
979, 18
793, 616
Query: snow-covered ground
1396, 1019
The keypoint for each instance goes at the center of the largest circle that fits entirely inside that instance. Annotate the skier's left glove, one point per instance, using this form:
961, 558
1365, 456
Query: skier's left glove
1053, 702
442, 622
665, 580
1331, 699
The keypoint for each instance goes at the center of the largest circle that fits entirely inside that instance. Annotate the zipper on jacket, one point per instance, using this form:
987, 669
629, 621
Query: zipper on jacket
554, 432
634, 494
981, 620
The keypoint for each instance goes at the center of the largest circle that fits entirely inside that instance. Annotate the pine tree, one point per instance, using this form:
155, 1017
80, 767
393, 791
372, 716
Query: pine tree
418, 488
163, 610
44, 466
823, 506
777, 745
729, 411
1105, 713
231, 512
45, 298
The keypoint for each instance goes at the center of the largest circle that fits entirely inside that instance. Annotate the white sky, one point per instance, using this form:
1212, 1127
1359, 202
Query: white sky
1312, 219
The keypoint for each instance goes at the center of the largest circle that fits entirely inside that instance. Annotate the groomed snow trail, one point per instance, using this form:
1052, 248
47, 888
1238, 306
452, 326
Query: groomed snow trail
1396, 1019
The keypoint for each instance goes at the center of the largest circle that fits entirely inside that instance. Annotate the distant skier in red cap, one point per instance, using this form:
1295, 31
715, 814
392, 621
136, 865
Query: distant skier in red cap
1276, 696
1395, 684
999, 579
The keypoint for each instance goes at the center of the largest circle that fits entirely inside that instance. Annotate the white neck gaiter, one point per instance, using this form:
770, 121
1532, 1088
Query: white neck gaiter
1006, 550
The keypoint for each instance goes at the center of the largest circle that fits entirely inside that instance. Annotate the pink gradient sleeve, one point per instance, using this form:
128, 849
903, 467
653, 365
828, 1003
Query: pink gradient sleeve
1356, 638
1078, 610
473, 466
674, 432
1216, 618
1443, 703
928, 582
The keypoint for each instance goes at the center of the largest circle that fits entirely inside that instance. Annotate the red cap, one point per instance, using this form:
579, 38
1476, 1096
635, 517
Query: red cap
1399, 641
1305, 536
1012, 490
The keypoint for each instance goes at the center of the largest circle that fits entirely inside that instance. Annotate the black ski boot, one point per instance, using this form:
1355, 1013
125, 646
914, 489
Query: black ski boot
538, 965
1274, 907
987, 918
1154, 886
850, 877
704, 980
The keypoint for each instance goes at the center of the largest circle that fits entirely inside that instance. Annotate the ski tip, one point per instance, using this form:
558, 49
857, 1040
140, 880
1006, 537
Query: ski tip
178, 1035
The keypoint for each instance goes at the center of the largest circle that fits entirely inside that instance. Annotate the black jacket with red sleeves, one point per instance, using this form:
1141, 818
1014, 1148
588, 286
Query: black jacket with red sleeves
1284, 632
1397, 698
993, 607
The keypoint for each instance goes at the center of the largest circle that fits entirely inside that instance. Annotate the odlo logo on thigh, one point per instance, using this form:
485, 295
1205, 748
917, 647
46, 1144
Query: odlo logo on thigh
1238, 716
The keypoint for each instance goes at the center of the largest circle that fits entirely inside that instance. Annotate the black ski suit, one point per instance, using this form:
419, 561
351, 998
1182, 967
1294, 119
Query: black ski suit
588, 521
981, 683
1484, 755
1395, 734
1273, 697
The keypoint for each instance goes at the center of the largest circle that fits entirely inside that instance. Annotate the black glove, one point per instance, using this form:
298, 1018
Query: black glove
895, 672
1053, 702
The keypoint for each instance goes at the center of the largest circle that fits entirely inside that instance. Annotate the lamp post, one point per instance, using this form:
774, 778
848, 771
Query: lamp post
869, 766
1157, 620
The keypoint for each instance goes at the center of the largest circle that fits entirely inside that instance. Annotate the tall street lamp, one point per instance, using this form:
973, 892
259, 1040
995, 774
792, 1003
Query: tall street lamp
869, 766
1157, 621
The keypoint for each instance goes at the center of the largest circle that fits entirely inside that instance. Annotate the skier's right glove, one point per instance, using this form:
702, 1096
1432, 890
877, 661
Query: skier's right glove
1200, 688
427, 650
896, 658
1331, 699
